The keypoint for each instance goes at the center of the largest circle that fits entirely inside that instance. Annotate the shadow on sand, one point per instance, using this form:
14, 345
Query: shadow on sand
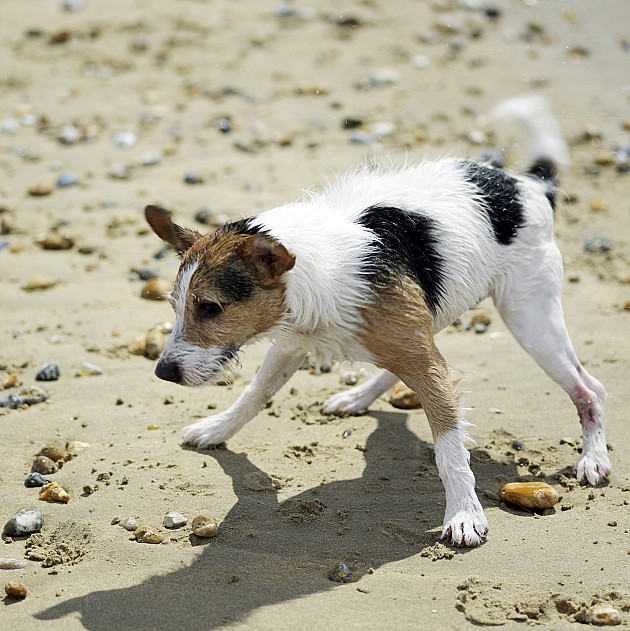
269, 551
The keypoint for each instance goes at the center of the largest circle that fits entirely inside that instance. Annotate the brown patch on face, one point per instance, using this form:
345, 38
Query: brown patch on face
234, 294
398, 334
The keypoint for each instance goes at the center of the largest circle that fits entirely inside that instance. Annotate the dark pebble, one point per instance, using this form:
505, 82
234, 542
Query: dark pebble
160, 254
224, 125
36, 479
204, 216
44, 465
598, 245
24, 522
325, 368
518, 445
48, 372
340, 573
144, 273
11, 401
192, 178
352, 123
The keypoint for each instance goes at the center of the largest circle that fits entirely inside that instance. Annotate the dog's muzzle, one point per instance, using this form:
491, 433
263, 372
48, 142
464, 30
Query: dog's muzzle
169, 371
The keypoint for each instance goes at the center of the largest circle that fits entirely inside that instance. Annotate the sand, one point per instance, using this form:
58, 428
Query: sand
250, 98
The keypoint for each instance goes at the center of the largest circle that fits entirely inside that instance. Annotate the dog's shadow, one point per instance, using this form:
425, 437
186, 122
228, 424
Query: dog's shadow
269, 551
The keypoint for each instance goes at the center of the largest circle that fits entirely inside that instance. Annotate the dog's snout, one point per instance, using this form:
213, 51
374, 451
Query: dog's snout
169, 371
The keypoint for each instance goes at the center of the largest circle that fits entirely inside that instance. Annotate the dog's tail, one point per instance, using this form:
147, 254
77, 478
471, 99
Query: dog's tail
547, 150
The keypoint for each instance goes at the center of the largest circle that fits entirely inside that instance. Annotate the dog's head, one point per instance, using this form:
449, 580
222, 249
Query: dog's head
228, 290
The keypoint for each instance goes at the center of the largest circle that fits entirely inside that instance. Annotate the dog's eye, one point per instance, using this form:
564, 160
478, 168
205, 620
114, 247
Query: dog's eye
209, 309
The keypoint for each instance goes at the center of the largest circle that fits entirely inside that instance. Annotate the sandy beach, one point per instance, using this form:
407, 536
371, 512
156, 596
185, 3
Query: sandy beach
219, 109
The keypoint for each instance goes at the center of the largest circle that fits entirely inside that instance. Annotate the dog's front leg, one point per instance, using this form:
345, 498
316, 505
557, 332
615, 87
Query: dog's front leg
276, 369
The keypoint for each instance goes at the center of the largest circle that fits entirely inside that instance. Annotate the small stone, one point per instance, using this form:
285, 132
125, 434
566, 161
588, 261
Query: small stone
54, 492
11, 401
144, 534
67, 178
597, 205
204, 526
44, 465
601, 615
57, 241
40, 282
14, 589
149, 158
340, 573
154, 344
74, 448
532, 495
129, 523
25, 522
481, 318
48, 372
40, 189
69, 135
32, 395
420, 61
144, 273
518, 445
12, 564
124, 139
349, 378
120, 171
34, 480
174, 520
598, 245
193, 178
205, 216
54, 452
10, 126
404, 398
88, 370
10, 381
155, 289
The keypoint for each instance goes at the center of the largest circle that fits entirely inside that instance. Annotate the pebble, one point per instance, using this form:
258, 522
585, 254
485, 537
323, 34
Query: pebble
174, 520
125, 139
54, 452
404, 398
54, 492
69, 135
32, 395
40, 189
193, 178
74, 448
40, 282
25, 522
154, 344
12, 564
14, 589
88, 370
35, 479
340, 573
533, 495
129, 523
48, 372
598, 245
518, 445
120, 171
10, 381
601, 615
11, 401
149, 158
155, 289
144, 273
144, 534
44, 465
349, 378
204, 526
73, 5
420, 61
57, 241
10, 126
67, 178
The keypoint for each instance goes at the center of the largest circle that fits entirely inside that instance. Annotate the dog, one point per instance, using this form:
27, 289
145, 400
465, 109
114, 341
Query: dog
370, 269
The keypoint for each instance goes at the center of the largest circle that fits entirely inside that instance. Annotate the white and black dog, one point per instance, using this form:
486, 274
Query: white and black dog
370, 269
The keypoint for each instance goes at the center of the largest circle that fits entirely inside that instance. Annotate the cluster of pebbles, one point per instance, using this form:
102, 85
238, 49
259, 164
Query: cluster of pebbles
201, 526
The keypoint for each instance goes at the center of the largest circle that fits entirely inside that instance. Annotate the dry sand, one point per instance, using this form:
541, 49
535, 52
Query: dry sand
295, 492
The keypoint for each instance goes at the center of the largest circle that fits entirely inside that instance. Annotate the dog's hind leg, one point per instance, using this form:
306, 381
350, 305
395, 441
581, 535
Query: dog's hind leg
359, 398
529, 302
275, 370
399, 336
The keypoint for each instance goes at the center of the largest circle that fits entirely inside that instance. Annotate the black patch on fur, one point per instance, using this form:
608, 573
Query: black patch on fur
408, 242
242, 226
545, 170
234, 283
502, 198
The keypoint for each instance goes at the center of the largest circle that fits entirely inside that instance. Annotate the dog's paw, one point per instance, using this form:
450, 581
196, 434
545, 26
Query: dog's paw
593, 469
348, 402
212, 430
466, 528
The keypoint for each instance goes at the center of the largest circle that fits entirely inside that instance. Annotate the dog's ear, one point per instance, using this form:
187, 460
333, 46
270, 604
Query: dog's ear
160, 220
268, 256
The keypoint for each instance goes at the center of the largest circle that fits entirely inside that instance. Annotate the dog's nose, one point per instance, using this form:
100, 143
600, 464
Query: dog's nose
169, 371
